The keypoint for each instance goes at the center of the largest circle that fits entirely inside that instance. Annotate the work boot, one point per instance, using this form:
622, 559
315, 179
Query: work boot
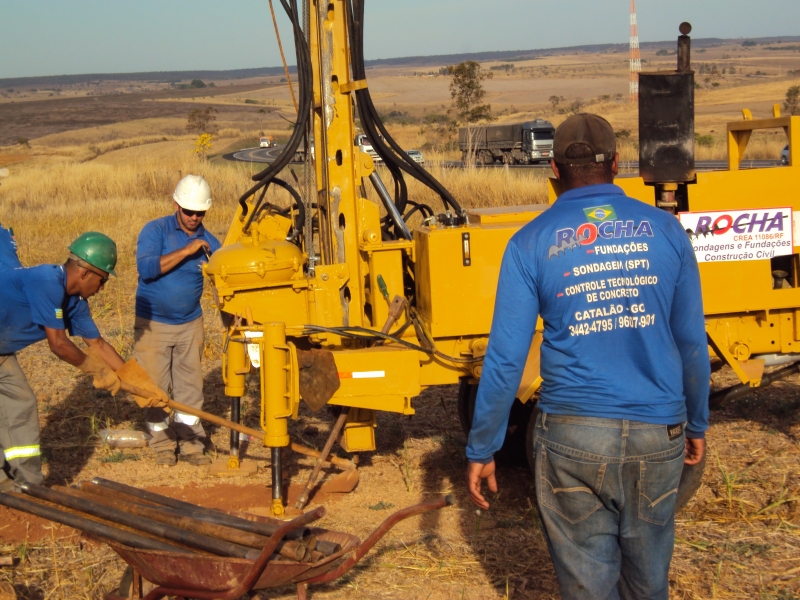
196, 459
6, 485
166, 457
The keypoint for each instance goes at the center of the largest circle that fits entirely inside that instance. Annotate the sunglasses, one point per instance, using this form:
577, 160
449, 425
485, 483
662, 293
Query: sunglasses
193, 213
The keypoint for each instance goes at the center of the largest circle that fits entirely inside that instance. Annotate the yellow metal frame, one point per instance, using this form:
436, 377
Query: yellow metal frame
745, 315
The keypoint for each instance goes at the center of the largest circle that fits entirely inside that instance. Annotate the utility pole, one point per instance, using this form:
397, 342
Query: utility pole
636, 57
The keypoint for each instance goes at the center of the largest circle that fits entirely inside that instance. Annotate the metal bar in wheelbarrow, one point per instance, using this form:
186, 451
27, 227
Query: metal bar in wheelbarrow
209, 515
102, 531
247, 583
382, 529
290, 549
169, 532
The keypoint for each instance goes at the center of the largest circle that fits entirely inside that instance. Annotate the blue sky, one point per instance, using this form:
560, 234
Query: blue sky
48, 37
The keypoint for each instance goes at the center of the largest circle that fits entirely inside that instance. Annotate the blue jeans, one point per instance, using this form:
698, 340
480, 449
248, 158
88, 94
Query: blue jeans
606, 490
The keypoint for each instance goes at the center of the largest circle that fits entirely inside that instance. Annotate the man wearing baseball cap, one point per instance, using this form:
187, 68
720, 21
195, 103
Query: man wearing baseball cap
168, 332
625, 369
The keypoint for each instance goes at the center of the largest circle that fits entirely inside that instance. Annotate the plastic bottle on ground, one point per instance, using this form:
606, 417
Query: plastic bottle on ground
124, 438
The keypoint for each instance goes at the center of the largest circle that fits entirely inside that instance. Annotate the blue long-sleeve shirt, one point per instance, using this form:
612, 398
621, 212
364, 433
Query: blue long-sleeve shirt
8, 250
34, 298
174, 297
617, 285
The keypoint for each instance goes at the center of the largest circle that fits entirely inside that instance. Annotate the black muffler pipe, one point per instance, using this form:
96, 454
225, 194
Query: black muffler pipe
169, 532
719, 398
104, 532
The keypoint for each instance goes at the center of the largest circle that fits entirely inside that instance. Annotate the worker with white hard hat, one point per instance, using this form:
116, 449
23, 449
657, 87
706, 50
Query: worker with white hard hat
168, 333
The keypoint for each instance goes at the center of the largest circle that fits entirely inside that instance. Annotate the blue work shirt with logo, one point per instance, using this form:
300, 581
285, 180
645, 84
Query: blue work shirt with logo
8, 250
172, 298
617, 285
34, 298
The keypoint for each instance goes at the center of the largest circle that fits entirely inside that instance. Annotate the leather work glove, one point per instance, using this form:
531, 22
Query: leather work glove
104, 377
133, 374
157, 400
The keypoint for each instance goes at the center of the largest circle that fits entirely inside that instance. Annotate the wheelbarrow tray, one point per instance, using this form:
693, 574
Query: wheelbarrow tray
209, 573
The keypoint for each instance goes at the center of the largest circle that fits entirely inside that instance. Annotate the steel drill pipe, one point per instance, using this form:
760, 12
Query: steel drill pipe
209, 515
219, 517
292, 550
169, 532
102, 531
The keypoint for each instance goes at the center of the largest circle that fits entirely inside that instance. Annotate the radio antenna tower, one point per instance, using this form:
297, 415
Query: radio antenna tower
636, 57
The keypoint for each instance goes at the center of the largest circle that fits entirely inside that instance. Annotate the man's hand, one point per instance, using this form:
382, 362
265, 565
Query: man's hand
476, 472
104, 377
157, 400
695, 448
173, 259
196, 244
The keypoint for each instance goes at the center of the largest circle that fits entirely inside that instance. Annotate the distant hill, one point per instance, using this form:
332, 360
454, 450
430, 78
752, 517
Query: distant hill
404, 61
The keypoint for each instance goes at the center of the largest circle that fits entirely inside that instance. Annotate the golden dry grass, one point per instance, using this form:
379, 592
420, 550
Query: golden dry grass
737, 539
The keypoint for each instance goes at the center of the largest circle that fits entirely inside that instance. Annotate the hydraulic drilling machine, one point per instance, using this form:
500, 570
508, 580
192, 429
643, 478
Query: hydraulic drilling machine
332, 275
335, 304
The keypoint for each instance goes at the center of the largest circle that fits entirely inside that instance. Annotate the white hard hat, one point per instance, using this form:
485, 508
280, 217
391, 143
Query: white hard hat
193, 193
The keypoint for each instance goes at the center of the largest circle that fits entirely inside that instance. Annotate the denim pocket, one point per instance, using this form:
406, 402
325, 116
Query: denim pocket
569, 487
658, 489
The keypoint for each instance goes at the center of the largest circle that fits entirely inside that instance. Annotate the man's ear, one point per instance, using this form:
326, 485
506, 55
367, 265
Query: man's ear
615, 164
554, 166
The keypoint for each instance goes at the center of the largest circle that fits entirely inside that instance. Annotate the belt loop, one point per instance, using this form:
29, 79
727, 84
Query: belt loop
625, 425
544, 421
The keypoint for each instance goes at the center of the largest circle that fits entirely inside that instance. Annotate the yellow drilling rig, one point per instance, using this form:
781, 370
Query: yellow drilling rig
336, 301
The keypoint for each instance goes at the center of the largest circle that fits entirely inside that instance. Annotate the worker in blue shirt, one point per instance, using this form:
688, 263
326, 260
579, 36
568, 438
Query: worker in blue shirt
8, 244
46, 302
8, 250
625, 369
168, 333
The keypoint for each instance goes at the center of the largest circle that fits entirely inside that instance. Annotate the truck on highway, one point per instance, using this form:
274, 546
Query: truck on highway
363, 143
510, 143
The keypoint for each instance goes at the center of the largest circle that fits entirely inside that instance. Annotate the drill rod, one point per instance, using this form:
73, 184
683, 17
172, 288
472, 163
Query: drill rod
202, 513
162, 530
103, 531
245, 522
292, 550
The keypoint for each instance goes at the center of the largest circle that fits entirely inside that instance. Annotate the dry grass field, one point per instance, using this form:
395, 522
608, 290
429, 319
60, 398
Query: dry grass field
114, 169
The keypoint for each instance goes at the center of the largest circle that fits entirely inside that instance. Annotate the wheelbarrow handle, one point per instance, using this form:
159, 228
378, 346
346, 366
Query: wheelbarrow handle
381, 530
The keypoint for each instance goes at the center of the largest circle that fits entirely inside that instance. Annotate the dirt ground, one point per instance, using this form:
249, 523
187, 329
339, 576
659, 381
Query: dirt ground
738, 538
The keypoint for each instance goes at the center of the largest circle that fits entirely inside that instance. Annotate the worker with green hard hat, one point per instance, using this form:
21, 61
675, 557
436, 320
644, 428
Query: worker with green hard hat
46, 302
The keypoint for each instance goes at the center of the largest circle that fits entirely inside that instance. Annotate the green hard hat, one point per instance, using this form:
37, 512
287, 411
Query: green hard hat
97, 249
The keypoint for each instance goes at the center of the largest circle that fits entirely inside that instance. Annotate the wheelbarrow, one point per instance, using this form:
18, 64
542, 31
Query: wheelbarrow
167, 542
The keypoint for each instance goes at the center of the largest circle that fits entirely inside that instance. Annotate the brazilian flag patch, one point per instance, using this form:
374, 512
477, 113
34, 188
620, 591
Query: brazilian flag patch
600, 213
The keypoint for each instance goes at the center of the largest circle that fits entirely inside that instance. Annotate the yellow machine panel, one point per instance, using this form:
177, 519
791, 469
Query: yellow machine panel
382, 378
457, 270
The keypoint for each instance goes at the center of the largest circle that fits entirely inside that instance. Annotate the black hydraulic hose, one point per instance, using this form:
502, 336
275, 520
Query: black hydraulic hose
298, 201
362, 333
305, 84
717, 399
371, 120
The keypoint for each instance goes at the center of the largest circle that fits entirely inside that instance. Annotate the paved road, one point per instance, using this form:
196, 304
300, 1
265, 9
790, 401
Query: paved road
267, 155
259, 155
